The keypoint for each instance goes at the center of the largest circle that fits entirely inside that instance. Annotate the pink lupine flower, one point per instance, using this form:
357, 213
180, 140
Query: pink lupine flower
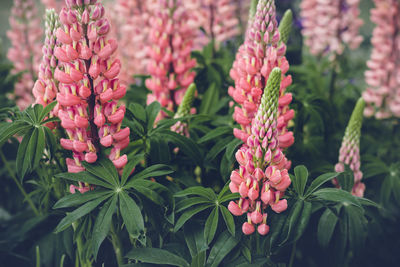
25, 52
54, 4
88, 86
262, 177
170, 65
261, 52
382, 96
131, 20
45, 88
349, 153
219, 20
330, 25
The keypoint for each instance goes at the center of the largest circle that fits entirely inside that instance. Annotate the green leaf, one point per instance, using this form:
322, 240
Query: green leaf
78, 198
78, 213
194, 237
156, 256
105, 169
190, 202
138, 111
50, 141
303, 221
216, 133
40, 145
85, 177
46, 110
132, 162
131, 215
320, 180
152, 111
218, 148
224, 244
199, 191
27, 156
210, 99
21, 153
326, 227
228, 218
211, 225
152, 171
199, 260
300, 181
189, 214
103, 224
346, 181
9, 129
229, 197
291, 221
336, 195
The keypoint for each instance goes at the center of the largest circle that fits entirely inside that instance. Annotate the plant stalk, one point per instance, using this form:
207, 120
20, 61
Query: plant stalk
116, 242
20, 187
292, 255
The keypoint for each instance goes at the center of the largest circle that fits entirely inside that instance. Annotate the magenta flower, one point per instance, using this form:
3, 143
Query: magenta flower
262, 177
349, 153
88, 86
330, 25
25, 51
383, 75
171, 40
261, 52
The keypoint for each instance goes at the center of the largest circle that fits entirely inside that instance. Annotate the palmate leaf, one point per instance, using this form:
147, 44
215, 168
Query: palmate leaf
320, 180
190, 202
131, 215
76, 199
211, 225
224, 244
300, 180
216, 133
152, 171
78, 213
199, 191
132, 162
228, 218
103, 224
156, 256
152, 111
326, 227
104, 169
7, 130
336, 195
85, 177
189, 214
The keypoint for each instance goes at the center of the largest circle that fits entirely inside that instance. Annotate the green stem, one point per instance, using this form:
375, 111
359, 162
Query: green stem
116, 242
332, 83
292, 255
10, 171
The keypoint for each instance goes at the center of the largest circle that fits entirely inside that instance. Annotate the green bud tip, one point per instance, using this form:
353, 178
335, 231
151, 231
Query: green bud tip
285, 26
187, 101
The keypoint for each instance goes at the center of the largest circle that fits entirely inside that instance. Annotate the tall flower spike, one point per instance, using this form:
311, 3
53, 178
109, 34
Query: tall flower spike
383, 75
262, 177
330, 25
88, 86
54, 4
25, 51
171, 42
131, 20
45, 88
350, 150
260, 53
184, 109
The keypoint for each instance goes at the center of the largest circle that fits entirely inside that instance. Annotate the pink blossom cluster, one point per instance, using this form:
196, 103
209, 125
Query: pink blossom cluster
45, 88
55, 4
383, 75
329, 25
218, 18
171, 42
88, 85
25, 36
261, 52
131, 20
349, 153
262, 177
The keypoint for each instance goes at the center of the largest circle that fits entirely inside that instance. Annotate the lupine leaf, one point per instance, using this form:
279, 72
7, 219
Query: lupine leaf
224, 244
326, 227
85, 177
156, 256
213, 134
228, 218
132, 162
336, 195
189, 214
320, 180
78, 198
211, 225
152, 111
197, 190
300, 181
131, 214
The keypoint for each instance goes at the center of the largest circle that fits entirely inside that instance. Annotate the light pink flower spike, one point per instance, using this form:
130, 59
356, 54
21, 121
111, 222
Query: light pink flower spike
25, 51
330, 25
382, 95
89, 86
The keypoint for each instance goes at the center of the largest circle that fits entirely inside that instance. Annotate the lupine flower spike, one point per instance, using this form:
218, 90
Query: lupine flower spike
350, 150
53, 4
262, 51
285, 26
25, 52
88, 86
330, 25
171, 41
45, 88
262, 177
184, 109
383, 75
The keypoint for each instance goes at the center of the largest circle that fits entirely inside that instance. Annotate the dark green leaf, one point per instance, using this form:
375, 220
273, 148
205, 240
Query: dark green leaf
336, 195
320, 180
211, 225
132, 162
326, 227
291, 222
197, 190
224, 244
346, 181
103, 224
216, 133
156, 256
138, 111
131, 215
210, 99
46, 110
189, 214
78, 198
9, 129
85, 177
78, 213
303, 221
300, 181
21, 154
105, 169
190, 202
228, 218
152, 111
